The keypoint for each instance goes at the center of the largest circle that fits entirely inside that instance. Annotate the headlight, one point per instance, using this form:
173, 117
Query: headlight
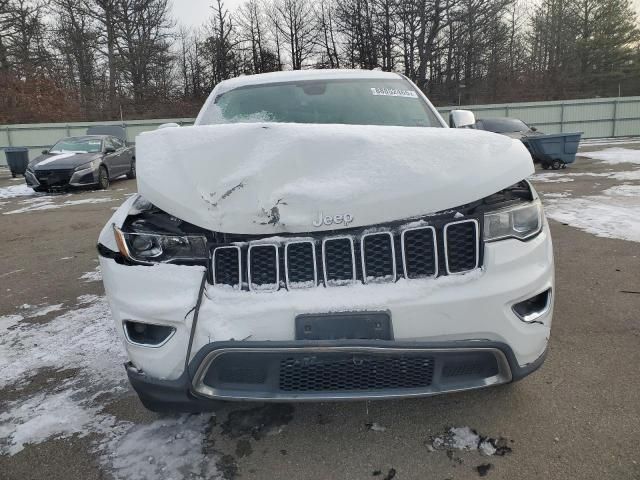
87, 166
155, 248
521, 222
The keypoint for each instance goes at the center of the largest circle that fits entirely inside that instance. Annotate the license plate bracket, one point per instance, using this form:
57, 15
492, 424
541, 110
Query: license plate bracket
344, 326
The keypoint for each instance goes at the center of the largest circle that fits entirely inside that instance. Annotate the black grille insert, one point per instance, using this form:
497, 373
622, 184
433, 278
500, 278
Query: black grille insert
301, 264
378, 257
419, 249
263, 267
226, 266
339, 266
461, 242
355, 372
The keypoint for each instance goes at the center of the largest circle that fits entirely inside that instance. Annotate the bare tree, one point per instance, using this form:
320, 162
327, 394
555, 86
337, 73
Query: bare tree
297, 29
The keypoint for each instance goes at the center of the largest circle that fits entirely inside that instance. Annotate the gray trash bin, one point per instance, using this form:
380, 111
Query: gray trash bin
17, 159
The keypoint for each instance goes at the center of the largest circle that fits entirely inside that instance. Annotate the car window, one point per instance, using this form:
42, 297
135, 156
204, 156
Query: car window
116, 142
503, 125
78, 145
344, 101
108, 143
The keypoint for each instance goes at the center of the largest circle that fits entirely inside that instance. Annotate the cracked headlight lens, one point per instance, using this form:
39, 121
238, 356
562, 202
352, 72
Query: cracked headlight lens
521, 222
156, 248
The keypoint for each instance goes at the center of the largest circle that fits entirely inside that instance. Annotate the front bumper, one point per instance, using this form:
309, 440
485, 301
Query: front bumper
454, 367
60, 179
453, 313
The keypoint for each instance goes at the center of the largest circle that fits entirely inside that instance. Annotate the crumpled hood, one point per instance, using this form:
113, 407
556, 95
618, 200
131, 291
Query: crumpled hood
54, 161
265, 178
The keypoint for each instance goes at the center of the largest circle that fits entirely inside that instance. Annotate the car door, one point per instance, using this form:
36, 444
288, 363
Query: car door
111, 158
126, 154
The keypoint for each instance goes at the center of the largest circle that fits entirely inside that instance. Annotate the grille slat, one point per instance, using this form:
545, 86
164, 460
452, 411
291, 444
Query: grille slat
461, 246
338, 258
264, 267
227, 267
420, 252
300, 264
348, 372
383, 256
378, 257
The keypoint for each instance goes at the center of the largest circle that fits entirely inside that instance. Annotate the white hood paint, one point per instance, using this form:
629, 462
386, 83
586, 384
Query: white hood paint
265, 178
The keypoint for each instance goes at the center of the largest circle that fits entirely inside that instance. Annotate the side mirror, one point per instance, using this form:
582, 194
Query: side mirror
534, 129
168, 125
461, 118
45, 151
109, 150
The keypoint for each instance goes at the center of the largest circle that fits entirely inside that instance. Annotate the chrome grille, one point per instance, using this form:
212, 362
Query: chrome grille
263, 267
419, 252
369, 257
227, 266
461, 246
378, 257
339, 260
300, 264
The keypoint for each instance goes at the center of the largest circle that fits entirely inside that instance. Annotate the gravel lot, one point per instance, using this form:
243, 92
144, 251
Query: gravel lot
66, 410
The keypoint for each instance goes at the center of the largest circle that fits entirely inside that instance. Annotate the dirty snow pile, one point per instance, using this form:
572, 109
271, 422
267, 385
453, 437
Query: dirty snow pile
614, 155
81, 350
612, 214
47, 203
466, 439
16, 191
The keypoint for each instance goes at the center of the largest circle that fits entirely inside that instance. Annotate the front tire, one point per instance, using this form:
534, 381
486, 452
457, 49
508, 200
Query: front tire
132, 173
103, 178
556, 164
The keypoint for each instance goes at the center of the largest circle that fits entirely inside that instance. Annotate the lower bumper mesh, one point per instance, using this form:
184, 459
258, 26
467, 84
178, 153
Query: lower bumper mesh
337, 372
343, 372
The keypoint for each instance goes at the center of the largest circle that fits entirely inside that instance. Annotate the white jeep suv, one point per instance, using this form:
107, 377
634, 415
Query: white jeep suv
323, 235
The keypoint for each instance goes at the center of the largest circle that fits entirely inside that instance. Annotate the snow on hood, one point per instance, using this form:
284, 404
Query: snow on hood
264, 178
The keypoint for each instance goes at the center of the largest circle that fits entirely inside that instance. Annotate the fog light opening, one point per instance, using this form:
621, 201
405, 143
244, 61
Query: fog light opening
534, 308
147, 334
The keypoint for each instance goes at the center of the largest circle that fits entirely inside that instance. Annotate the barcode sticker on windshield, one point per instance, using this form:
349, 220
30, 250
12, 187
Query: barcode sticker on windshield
393, 92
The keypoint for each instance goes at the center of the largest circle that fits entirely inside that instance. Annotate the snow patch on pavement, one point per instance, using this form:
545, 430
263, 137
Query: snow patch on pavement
46, 416
13, 191
612, 214
47, 203
614, 156
550, 177
84, 339
92, 276
167, 448
467, 439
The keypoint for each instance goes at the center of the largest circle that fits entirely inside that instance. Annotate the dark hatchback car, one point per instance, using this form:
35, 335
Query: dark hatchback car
83, 161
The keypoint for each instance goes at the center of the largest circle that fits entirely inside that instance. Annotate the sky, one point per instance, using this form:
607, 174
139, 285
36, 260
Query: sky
193, 13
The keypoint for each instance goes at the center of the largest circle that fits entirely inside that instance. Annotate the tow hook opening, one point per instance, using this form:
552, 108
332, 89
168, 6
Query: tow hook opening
147, 334
534, 308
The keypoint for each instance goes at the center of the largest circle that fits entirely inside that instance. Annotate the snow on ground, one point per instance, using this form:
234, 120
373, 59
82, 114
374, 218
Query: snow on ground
84, 340
614, 155
13, 191
612, 214
597, 142
47, 203
466, 439
92, 276
550, 177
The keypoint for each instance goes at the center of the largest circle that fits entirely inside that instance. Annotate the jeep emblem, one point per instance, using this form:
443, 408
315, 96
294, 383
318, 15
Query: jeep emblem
342, 219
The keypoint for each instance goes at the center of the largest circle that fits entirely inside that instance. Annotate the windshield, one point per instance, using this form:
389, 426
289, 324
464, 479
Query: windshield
353, 102
78, 145
503, 125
